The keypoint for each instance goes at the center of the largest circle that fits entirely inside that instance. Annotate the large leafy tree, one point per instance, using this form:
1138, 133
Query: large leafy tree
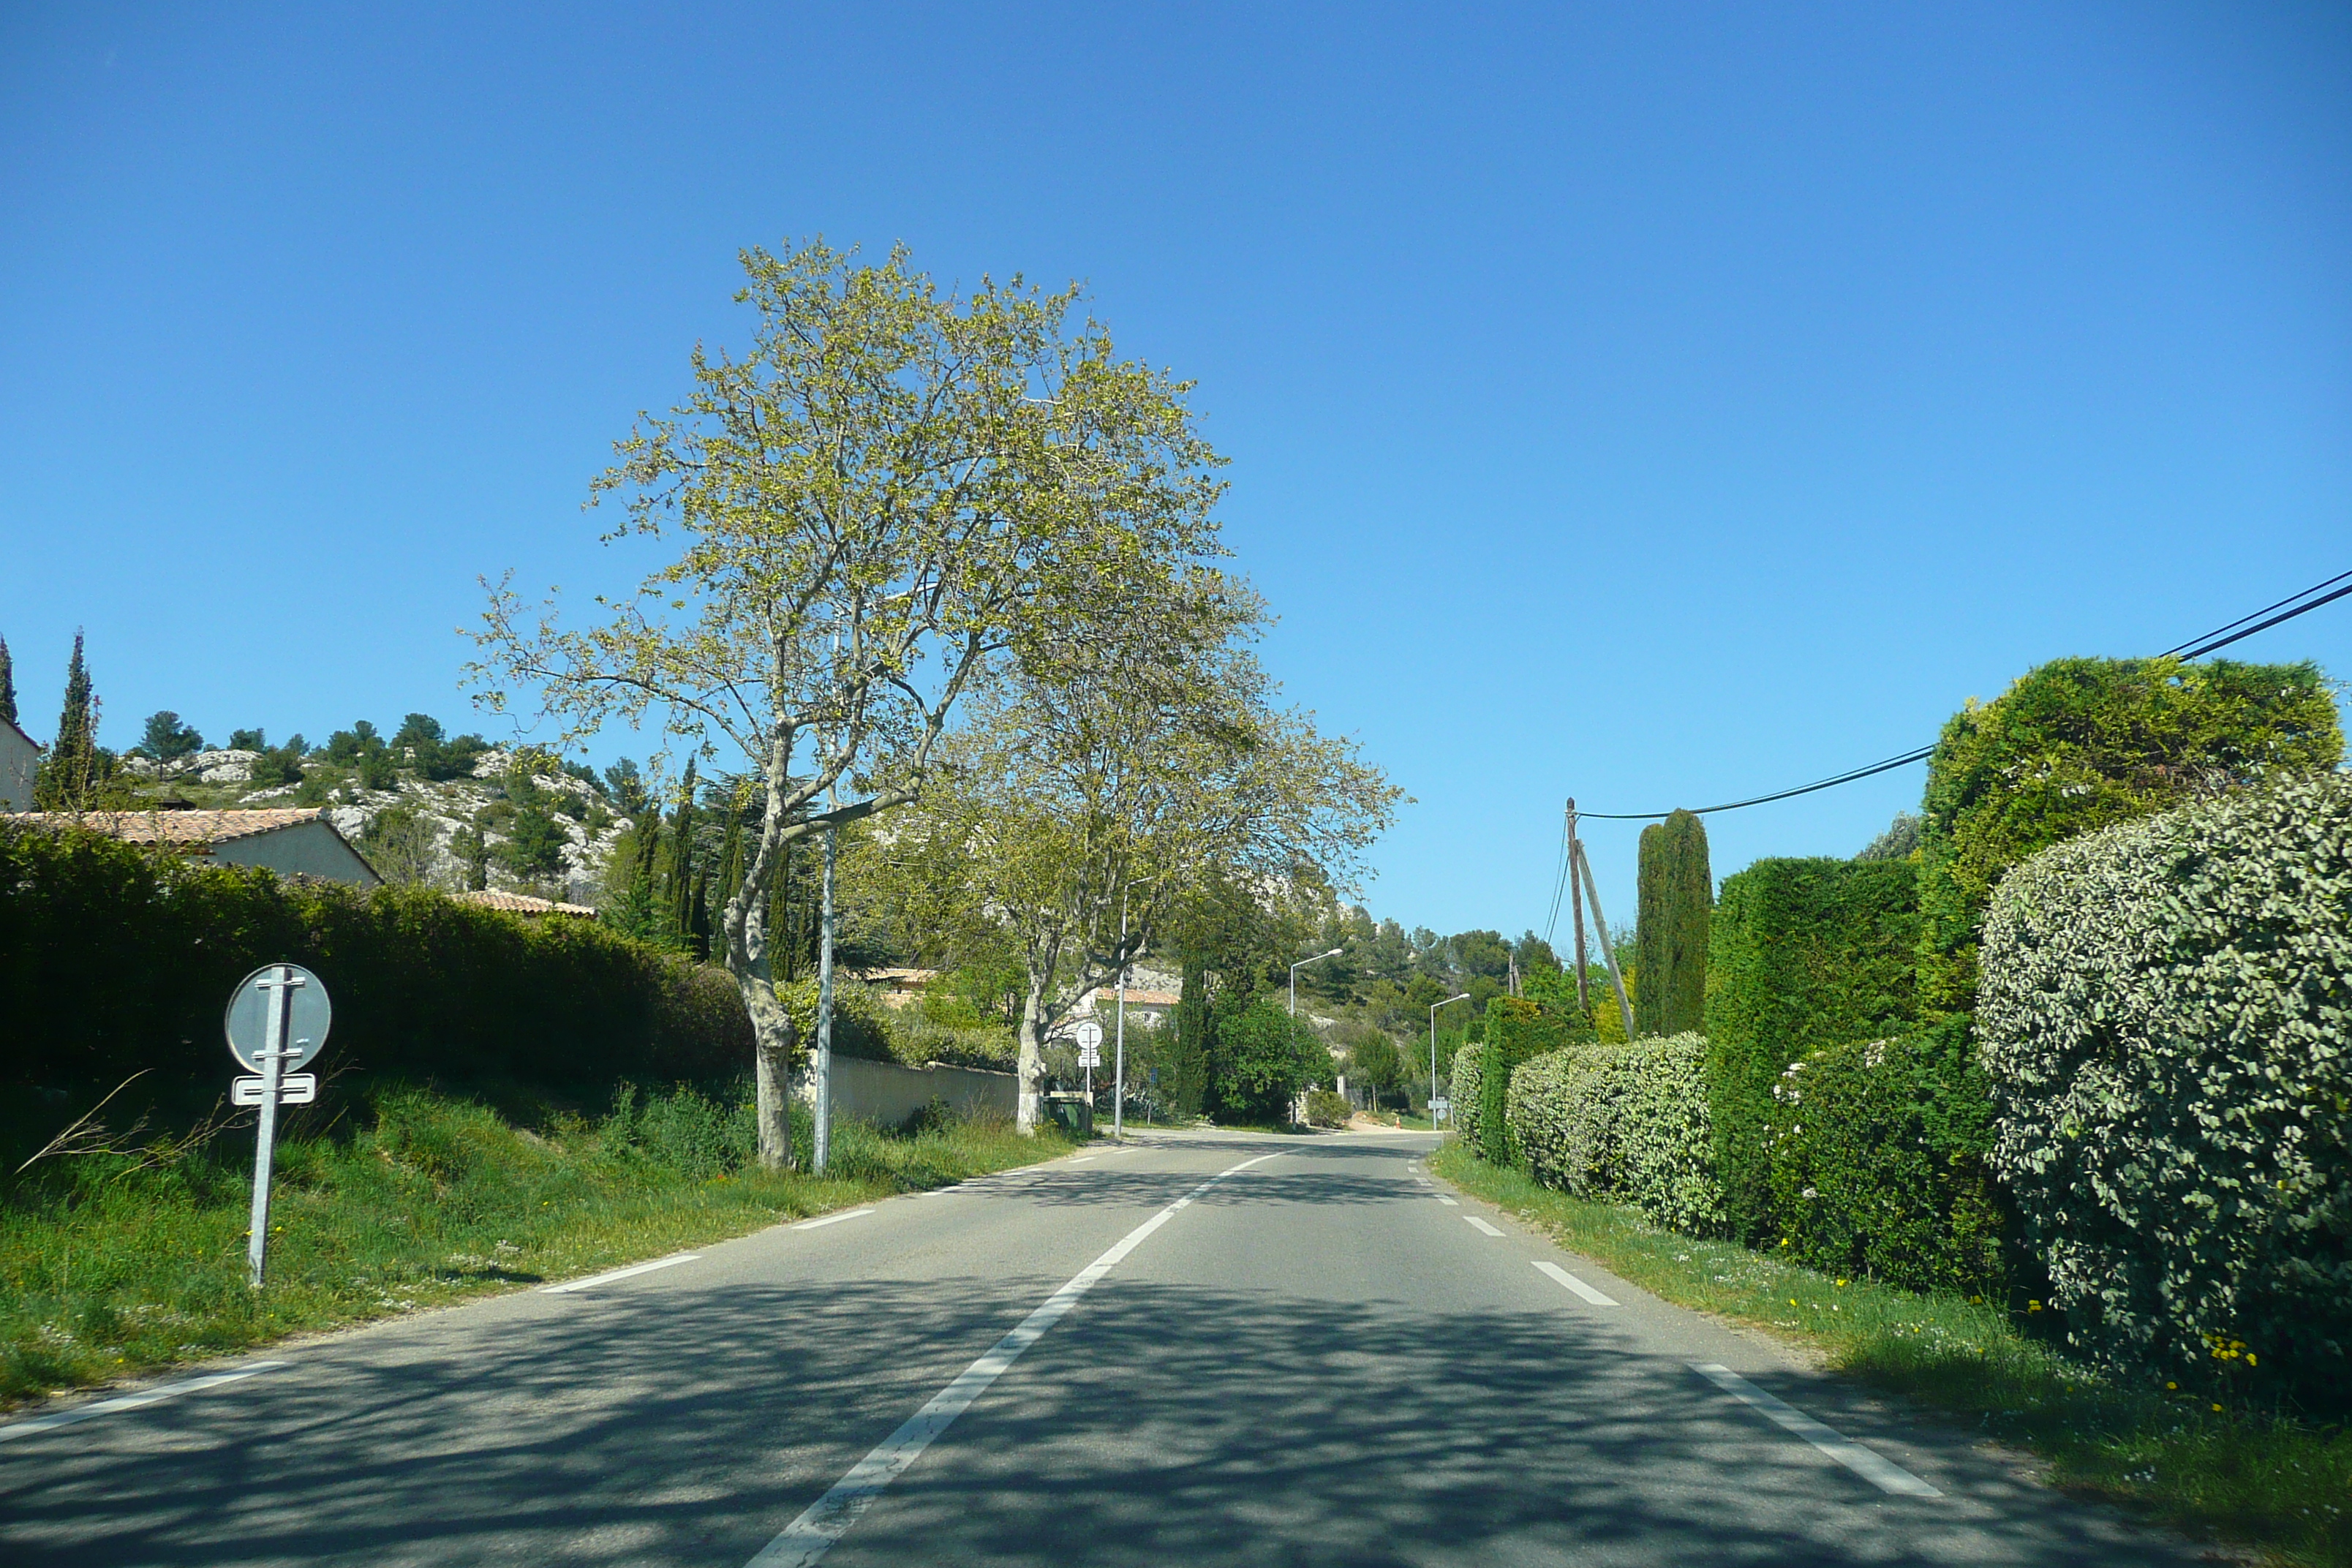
892, 492
1075, 813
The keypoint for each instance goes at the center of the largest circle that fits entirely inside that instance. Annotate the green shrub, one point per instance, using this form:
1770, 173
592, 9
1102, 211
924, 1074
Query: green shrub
1624, 1121
2163, 1016
1803, 953
1878, 1153
1677, 890
1466, 1088
2077, 745
115, 960
1327, 1108
1517, 1031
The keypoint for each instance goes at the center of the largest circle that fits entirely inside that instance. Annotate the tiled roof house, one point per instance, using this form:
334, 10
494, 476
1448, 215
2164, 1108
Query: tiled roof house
290, 842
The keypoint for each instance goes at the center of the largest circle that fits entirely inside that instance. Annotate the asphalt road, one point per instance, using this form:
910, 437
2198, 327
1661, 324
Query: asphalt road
1322, 1358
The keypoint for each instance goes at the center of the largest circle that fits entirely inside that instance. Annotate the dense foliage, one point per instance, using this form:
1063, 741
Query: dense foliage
1877, 1154
2078, 743
1805, 954
1517, 1031
114, 959
1469, 1093
1627, 1121
2163, 1014
1259, 1060
1676, 892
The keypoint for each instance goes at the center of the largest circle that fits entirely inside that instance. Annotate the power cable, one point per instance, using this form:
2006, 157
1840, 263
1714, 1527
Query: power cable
2220, 638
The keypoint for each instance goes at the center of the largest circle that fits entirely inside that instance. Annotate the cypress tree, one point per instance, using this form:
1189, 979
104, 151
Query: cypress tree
7, 684
681, 879
69, 770
1677, 895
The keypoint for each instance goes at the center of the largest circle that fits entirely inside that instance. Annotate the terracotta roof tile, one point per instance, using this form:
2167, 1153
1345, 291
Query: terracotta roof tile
520, 903
195, 828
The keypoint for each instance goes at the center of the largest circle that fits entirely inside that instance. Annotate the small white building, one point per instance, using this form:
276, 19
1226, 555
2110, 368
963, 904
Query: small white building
20, 758
292, 843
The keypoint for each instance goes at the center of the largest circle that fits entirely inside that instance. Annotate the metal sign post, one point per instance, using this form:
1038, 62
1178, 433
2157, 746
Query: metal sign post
277, 1018
1090, 1035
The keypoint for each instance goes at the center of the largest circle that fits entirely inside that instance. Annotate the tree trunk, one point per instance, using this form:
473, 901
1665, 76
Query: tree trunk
774, 1036
1033, 1059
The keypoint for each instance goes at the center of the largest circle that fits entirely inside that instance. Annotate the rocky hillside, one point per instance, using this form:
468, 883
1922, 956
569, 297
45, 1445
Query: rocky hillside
500, 822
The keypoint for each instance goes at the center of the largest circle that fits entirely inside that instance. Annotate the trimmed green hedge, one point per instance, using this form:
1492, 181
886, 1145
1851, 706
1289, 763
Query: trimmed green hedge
1624, 1122
1676, 892
1467, 1090
1517, 1031
115, 958
1878, 1156
2164, 1017
1804, 954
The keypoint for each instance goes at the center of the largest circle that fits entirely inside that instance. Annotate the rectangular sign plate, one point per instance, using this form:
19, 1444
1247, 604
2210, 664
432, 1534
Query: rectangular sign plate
294, 1088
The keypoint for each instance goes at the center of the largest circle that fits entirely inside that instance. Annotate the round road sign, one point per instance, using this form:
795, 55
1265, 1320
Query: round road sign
247, 1023
1090, 1035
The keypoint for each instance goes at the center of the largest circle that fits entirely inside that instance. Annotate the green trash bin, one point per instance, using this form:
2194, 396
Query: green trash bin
1073, 1111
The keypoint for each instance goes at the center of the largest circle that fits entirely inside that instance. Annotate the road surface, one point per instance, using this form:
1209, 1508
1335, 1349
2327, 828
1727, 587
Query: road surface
1145, 1355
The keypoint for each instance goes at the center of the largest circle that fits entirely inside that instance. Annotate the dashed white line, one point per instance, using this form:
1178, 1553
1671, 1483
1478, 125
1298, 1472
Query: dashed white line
133, 1401
1573, 1283
571, 1285
1868, 1463
1449, 1203
831, 1219
827, 1520
1473, 1221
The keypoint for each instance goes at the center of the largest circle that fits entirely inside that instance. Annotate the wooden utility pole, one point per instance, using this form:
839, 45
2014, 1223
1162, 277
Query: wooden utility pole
1576, 905
1608, 949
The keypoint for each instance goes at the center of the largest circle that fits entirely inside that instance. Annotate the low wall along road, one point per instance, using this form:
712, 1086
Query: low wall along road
886, 1094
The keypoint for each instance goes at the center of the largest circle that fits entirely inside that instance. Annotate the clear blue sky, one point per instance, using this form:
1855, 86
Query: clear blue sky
1658, 404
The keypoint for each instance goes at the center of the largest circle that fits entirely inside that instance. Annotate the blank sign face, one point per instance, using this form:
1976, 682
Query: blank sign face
247, 1023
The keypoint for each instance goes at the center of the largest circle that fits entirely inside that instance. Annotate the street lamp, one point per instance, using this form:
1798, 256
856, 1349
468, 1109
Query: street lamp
1434, 1006
1301, 964
1119, 1073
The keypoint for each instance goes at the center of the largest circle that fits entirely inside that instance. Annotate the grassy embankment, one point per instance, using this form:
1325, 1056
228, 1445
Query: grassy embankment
112, 1263
2277, 1484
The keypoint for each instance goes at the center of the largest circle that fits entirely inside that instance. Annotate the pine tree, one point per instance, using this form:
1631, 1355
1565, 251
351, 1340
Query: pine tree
7, 684
69, 771
1677, 896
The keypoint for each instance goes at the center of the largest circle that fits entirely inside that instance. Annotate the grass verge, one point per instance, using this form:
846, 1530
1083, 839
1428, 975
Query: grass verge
117, 1263
2279, 1485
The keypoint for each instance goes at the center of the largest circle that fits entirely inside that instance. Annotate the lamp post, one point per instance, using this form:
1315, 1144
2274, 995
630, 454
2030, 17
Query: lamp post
1118, 1071
1301, 964
1434, 1006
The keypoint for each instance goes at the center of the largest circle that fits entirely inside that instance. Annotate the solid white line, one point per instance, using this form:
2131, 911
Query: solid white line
592, 1279
829, 1219
1081, 1159
1449, 1203
133, 1401
827, 1520
1573, 1283
1867, 1462
1471, 1220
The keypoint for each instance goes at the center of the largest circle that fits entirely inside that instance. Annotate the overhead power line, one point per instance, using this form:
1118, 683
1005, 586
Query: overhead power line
2220, 638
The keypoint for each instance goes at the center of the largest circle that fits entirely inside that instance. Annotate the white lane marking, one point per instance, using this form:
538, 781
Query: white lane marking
1475, 1222
570, 1285
1573, 1283
1867, 1462
1449, 1203
133, 1401
1081, 1159
799, 1543
831, 1219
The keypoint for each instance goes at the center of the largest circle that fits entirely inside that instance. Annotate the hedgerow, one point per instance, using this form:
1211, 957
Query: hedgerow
2077, 745
1676, 892
1467, 1092
1878, 1157
1627, 1121
1517, 1031
2163, 1018
115, 960
1804, 954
